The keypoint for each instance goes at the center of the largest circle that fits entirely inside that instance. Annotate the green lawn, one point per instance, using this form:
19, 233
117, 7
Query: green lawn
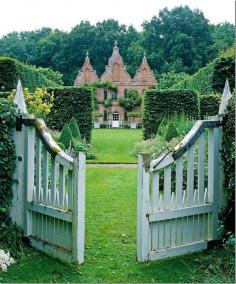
115, 145
110, 254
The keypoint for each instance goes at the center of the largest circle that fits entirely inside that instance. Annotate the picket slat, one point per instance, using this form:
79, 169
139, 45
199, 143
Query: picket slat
38, 169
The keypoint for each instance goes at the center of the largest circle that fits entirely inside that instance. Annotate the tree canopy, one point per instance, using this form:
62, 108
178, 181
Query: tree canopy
177, 40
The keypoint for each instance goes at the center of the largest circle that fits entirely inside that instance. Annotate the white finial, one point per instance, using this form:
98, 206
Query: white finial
19, 99
225, 98
87, 53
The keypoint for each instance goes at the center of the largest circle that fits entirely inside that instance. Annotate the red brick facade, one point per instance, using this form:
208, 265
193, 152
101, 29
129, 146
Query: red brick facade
116, 73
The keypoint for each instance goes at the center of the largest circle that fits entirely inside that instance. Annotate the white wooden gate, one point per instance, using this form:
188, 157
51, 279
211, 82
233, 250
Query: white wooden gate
54, 193
179, 192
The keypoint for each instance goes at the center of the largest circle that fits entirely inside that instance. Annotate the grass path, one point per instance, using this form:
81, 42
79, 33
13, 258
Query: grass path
115, 145
110, 253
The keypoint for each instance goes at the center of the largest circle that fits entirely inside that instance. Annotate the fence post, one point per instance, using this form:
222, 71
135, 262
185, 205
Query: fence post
28, 175
17, 206
213, 177
78, 211
142, 209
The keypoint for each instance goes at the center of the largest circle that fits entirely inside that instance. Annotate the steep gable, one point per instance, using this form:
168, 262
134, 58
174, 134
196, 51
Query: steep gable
87, 74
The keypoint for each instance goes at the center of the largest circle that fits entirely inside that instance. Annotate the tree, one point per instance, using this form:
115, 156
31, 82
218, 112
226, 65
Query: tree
177, 40
66, 137
169, 79
74, 128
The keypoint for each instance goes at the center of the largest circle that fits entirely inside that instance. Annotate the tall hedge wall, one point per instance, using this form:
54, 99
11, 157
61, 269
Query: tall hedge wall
72, 102
210, 79
209, 105
162, 103
31, 77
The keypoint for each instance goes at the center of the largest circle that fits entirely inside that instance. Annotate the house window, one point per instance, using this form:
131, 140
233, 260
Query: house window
114, 95
126, 116
125, 93
105, 115
105, 95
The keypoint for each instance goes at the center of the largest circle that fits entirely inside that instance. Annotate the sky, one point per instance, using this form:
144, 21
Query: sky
22, 15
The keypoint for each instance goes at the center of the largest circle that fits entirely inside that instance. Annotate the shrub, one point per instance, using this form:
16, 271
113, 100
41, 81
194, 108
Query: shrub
10, 235
38, 103
211, 79
164, 103
66, 137
74, 128
31, 77
209, 105
68, 102
228, 156
131, 100
171, 132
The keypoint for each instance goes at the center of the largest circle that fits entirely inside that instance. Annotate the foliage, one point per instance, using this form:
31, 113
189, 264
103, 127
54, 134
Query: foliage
66, 136
164, 103
171, 132
228, 156
131, 100
10, 234
81, 146
179, 40
107, 103
169, 79
105, 85
31, 77
74, 128
134, 114
211, 79
38, 103
97, 114
209, 105
154, 146
68, 102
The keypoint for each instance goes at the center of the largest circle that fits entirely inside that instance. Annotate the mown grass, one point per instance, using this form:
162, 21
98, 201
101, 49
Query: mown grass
110, 254
115, 145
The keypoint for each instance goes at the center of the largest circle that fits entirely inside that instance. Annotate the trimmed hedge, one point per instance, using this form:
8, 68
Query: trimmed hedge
31, 77
210, 79
163, 103
209, 105
72, 102
228, 156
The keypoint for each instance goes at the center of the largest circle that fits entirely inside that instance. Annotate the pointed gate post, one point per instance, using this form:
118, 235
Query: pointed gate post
17, 207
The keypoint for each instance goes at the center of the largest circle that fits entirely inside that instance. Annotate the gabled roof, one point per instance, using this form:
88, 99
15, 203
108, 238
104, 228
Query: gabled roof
144, 74
115, 70
87, 74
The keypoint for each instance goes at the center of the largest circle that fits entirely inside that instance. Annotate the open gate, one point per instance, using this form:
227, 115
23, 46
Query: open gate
180, 193
49, 191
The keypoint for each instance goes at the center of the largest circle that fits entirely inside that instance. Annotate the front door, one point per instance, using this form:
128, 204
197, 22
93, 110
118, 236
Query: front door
115, 120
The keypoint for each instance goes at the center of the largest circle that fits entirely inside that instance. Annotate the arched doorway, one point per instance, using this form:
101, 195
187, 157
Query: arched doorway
115, 120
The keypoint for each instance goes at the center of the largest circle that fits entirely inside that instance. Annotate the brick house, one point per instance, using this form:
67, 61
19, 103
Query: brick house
116, 72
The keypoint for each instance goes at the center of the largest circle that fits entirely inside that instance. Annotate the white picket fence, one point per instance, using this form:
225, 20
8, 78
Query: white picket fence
179, 193
49, 190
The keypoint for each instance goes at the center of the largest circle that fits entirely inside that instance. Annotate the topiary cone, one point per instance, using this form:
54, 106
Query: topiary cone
171, 132
74, 128
66, 136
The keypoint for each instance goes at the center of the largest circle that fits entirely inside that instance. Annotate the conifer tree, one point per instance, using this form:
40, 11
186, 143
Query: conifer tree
74, 128
66, 137
171, 132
